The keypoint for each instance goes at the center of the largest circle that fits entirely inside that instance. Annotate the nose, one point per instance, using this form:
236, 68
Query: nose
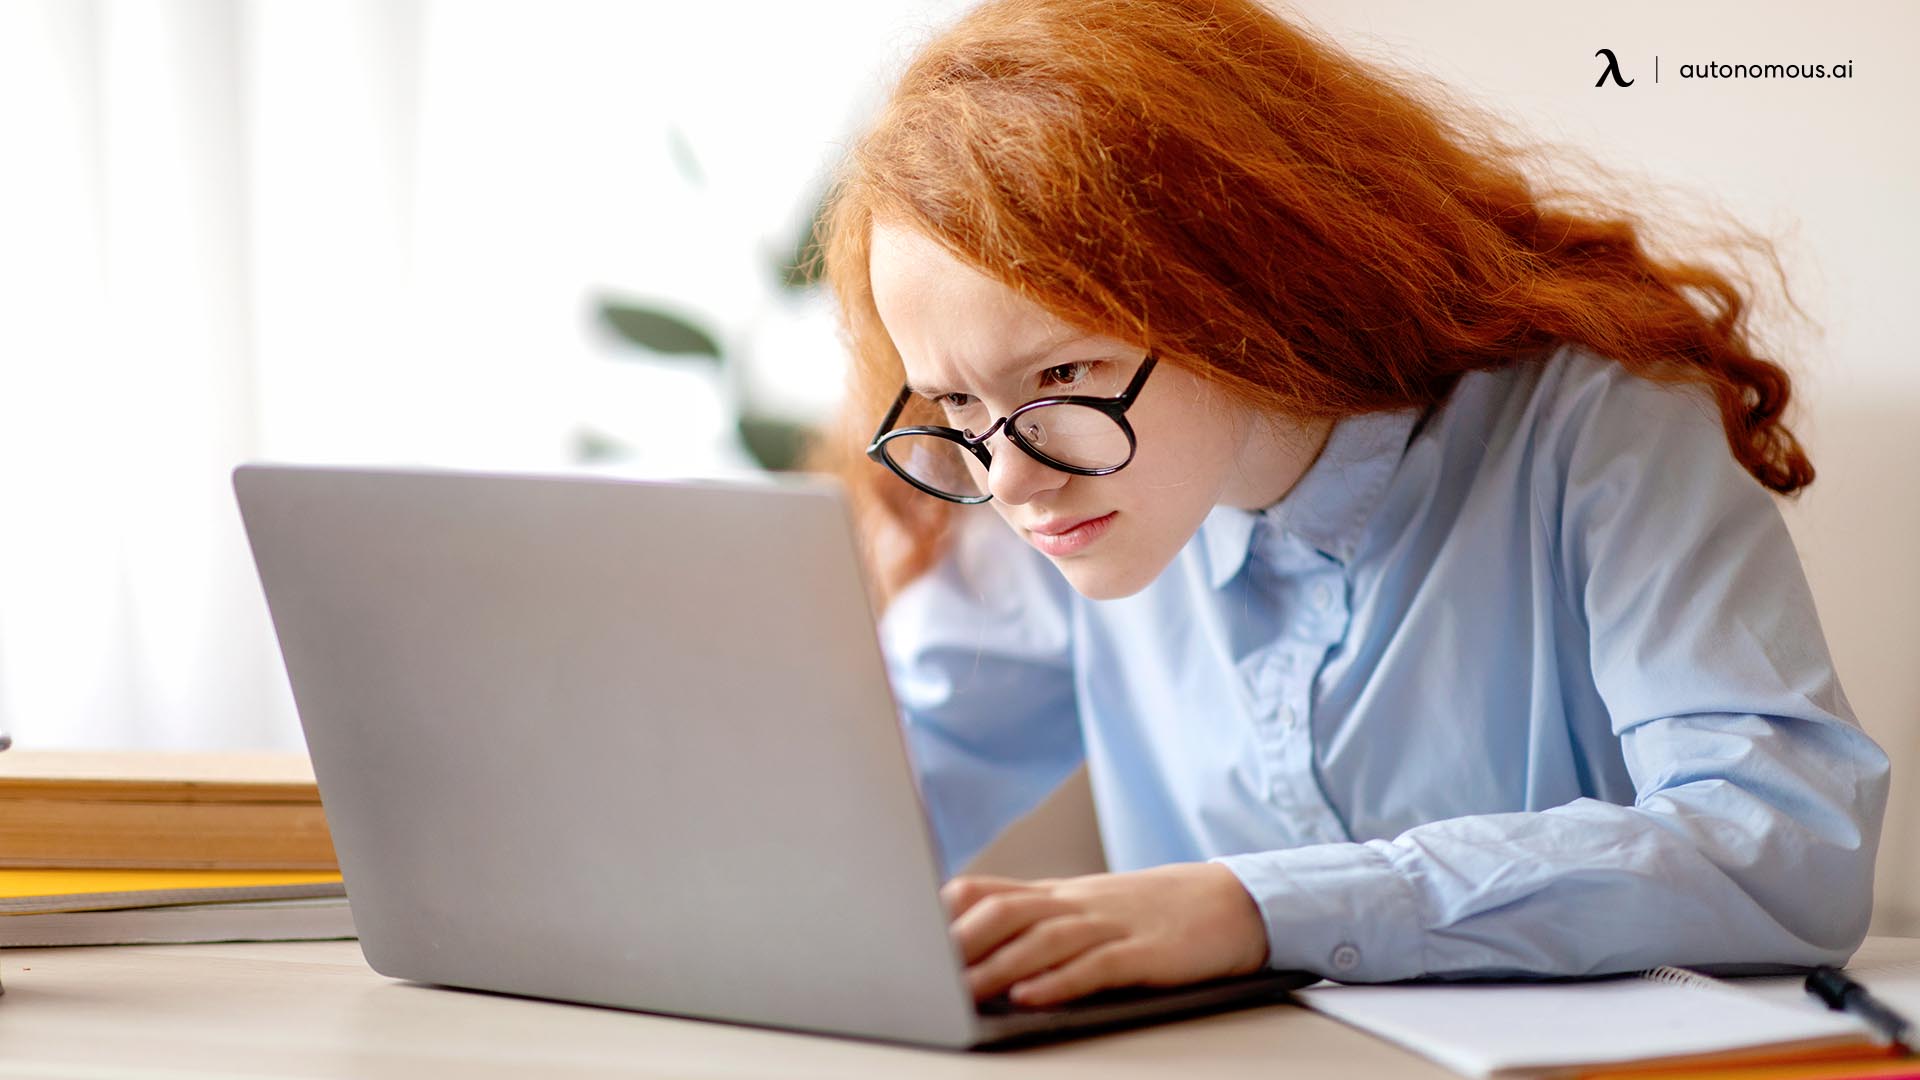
1015, 476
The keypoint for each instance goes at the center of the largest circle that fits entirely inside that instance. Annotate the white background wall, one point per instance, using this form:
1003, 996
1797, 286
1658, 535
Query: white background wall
371, 230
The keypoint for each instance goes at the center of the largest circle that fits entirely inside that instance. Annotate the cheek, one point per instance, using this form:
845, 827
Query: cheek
1206, 448
1193, 464
1186, 437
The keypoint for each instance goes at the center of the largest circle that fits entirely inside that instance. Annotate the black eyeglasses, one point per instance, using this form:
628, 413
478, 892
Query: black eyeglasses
1085, 436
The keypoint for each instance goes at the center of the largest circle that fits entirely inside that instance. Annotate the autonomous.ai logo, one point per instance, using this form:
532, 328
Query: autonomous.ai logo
1613, 69
1758, 68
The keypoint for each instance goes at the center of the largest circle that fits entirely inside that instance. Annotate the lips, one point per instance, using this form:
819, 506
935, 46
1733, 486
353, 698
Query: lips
1061, 525
1068, 536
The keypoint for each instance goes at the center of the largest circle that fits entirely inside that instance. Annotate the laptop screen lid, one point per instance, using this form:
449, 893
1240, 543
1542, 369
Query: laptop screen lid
612, 741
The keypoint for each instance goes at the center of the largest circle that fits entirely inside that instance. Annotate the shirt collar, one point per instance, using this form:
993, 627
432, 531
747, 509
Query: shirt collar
1329, 506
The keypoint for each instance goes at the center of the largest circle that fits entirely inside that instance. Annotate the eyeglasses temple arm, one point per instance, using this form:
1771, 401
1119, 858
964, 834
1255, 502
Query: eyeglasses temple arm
1139, 379
893, 414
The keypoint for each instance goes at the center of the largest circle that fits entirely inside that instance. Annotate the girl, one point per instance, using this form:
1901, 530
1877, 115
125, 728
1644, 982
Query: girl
1394, 546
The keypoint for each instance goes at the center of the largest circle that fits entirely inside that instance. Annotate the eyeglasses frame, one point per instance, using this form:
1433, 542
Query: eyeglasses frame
1114, 407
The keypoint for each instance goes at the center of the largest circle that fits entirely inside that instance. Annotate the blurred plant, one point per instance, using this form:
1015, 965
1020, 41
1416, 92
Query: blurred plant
775, 441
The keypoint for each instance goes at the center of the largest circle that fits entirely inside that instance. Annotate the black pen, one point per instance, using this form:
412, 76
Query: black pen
1832, 986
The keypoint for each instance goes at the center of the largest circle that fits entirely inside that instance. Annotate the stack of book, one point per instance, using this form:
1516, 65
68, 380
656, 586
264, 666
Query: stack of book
126, 848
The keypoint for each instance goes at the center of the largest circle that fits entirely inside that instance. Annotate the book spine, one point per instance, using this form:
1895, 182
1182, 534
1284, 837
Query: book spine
164, 836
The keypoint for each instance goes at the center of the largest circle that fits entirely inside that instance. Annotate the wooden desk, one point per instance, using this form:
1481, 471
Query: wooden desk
316, 1009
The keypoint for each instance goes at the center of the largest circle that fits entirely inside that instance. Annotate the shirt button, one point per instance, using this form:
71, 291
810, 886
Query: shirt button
1287, 716
1345, 957
1286, 661
1322, 597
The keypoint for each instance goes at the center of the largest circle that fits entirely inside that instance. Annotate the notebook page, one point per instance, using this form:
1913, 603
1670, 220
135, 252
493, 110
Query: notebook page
1481, 1029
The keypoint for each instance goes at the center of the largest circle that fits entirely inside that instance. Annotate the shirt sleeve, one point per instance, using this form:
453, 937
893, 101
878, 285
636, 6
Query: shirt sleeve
1759, 799
979, 653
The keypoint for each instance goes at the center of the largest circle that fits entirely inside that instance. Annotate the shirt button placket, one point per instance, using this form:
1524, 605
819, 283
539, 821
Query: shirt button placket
1270, 708
1324, 615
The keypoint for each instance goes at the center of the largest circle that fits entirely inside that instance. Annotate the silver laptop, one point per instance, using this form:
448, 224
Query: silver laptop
626, 743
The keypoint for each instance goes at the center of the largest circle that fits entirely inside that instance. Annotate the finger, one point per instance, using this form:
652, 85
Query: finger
1001, 917
963, 892
1046, 944
1114, 963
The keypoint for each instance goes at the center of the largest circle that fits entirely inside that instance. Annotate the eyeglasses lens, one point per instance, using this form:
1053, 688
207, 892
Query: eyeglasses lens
940, 464
1070, 435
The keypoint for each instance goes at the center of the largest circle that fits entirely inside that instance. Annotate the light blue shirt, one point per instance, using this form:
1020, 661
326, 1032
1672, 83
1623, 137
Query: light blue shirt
1534, 686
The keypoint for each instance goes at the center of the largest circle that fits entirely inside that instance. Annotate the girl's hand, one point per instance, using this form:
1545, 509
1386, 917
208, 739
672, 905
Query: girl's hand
1054, 939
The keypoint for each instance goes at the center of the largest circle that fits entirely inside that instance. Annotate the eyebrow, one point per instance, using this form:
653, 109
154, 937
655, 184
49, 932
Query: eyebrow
1026, 359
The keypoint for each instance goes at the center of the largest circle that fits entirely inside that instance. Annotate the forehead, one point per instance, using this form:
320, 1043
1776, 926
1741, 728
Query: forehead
952, 324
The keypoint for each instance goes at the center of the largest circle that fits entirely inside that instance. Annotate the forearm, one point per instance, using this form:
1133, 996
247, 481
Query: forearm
1767, 858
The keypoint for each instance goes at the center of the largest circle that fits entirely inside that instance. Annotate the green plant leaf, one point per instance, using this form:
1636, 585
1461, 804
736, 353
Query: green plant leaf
684, 160
590, 446
775, 444
661, 331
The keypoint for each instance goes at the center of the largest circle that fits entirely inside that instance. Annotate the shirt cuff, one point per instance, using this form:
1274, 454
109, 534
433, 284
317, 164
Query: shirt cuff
1339, 910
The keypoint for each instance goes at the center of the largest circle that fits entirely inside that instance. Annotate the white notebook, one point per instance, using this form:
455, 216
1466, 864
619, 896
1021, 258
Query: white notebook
1543, 1029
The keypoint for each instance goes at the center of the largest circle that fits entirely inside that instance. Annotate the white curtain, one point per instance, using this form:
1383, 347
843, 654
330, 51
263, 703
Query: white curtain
355, 231
126, 388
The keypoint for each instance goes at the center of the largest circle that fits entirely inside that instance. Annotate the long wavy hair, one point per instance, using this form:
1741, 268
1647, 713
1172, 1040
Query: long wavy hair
1316, 235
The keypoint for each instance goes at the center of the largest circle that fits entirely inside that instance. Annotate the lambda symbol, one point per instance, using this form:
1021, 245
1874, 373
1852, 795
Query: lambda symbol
1613, 69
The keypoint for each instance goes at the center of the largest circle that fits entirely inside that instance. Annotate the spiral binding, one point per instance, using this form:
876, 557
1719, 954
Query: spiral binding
1683, 977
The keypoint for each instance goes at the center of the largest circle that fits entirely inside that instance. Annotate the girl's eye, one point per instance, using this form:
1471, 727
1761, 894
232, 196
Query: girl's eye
1067, 374
956, 401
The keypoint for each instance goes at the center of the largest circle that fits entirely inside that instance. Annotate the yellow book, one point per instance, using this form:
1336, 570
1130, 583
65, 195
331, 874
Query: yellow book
28, 892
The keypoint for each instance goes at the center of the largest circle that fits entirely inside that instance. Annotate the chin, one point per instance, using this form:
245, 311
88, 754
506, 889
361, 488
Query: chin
1106, 579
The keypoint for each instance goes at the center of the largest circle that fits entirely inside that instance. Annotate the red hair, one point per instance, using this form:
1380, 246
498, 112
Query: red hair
1305, 230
